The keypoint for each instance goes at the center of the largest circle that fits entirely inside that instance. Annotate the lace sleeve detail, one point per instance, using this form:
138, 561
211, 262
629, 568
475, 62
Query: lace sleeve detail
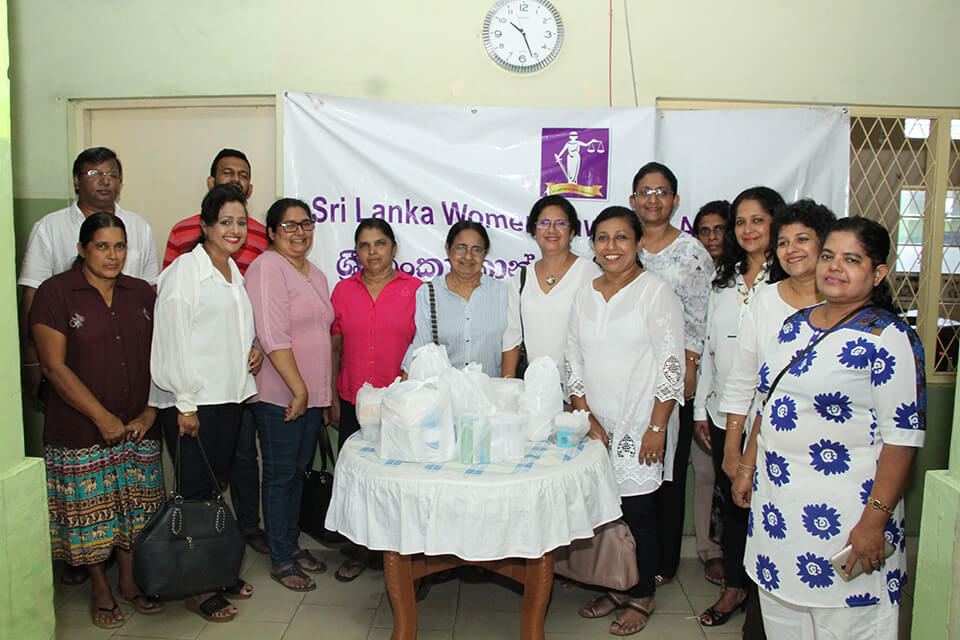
573, 359
670, 384
667, 339
574, 380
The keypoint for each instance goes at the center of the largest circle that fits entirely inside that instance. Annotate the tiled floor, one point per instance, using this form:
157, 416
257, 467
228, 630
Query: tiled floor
472, 607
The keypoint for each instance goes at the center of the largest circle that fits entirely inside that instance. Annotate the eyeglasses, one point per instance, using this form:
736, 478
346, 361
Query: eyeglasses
291, 227
559, 225
96, 173
660, 192
461, 250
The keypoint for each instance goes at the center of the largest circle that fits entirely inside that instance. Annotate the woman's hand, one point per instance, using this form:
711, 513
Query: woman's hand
597, 432
189, 424
867, 541
701, 429
297, 407
135, 430
732, 457
111, 429
255, 360
333, 412
651, 447
742, 488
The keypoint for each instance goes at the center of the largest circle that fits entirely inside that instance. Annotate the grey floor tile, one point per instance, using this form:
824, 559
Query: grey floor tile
241, 629
342, 623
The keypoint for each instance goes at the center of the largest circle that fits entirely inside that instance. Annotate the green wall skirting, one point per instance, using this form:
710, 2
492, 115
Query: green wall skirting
936, 601
26, 582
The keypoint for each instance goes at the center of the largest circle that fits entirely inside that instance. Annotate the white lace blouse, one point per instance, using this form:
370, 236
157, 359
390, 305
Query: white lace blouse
621, 354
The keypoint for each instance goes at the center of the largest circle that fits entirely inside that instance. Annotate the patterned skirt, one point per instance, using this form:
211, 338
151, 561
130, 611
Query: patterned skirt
100, 497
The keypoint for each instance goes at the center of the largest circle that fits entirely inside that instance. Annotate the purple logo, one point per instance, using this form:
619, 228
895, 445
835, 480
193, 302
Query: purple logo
574, 162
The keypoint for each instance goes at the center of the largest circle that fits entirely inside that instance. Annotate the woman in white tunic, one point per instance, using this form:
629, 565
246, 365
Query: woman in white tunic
624, 364
838, 437
538, 314
743, 270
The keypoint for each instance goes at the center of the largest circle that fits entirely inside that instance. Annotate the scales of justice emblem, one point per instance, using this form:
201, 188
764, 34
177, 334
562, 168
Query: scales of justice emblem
574, 163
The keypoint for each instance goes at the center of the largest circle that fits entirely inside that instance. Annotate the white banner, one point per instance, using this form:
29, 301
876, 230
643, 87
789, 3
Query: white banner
424, 167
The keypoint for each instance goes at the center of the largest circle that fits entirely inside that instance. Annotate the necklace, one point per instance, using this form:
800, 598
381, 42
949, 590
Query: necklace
551, 279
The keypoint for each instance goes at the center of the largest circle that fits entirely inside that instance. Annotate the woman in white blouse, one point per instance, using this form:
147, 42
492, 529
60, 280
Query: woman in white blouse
203, 360
743, 269
624, 363
541, 298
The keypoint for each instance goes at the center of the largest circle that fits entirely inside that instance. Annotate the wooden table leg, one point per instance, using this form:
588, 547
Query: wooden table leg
399, 579
537, 583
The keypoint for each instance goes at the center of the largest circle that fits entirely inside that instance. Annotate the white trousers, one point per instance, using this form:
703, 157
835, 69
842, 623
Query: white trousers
784, 620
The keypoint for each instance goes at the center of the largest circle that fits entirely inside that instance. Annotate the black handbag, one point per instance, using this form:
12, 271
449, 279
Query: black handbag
317, 490
189, 546
522, 360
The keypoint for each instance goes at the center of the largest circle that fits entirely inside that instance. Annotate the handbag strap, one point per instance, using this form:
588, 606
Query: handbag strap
523, 282
326, 451
433, 313
797, 358
206, 464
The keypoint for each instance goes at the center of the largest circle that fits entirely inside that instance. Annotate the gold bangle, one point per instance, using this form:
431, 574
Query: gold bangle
656, 429
188, 413
734, 426
508, 376
745, 474
879, 506
744, 466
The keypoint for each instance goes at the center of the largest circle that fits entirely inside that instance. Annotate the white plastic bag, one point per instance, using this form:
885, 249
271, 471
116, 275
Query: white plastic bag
542, 397
569, 429
416, 424
506, 394
509, 441
429, 361
470, 392
368, 411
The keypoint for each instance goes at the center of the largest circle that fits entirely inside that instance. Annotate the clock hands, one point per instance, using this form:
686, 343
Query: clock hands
524, 34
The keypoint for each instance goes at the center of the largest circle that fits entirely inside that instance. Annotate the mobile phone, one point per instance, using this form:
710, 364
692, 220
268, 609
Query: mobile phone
840, 559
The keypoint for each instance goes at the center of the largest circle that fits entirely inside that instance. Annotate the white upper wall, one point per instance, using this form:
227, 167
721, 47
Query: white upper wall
882, 52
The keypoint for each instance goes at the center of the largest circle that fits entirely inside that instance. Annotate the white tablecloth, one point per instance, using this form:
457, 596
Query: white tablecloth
476, 512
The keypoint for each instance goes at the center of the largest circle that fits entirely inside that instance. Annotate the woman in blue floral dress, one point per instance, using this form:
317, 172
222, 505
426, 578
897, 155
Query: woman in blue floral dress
837, 439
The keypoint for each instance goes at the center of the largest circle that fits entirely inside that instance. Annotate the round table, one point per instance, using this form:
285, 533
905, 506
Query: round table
429, 517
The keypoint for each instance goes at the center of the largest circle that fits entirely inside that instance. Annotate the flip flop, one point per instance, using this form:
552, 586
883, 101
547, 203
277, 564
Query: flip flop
305, 555
239, 590
143, 608
114, 611
209, 608
294, 570
593, 608
349, 570
643, 606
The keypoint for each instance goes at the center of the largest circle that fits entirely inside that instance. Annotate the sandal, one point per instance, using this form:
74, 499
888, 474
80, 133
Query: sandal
304, 555
257, 540
114, 612
601, 606
349, 570
239, 590
294, 571
144, 604
209, 608
713, 618
713, 571
643, 606
660, 580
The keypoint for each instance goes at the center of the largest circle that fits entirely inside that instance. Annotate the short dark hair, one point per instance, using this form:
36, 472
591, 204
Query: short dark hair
278, 208
226, 153
806, 212
734, 258
656, 167
616, 211
553, 201
95, 155
468, 225
876, 244
220, 195
93, 223
713, 208
379, 224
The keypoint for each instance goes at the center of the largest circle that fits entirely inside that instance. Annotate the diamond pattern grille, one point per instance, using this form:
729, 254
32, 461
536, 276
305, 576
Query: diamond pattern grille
949, 307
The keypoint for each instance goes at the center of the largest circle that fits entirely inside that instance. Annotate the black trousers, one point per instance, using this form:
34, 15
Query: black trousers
219, 427
734, 538
671, 499
640, 514
348, 422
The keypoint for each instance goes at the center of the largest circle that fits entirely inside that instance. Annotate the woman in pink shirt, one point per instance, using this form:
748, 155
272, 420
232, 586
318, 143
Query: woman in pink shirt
371, 332
292, 314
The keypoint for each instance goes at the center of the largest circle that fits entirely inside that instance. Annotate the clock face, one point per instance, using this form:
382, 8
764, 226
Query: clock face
523, 35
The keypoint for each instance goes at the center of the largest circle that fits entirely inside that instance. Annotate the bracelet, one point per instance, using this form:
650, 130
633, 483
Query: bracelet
879, 506
745, 466
508, 376
745, 474
31, 364
188, 413
734, 426
656, 429
694, 359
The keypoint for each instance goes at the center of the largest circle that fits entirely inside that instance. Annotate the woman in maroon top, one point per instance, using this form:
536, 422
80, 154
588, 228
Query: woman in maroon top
92, 326
372, 328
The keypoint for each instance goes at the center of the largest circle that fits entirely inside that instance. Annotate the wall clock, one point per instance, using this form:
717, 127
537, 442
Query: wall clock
523, 35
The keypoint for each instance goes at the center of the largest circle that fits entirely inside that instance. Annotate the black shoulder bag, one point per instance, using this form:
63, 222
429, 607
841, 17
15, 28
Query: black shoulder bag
189, 546
523, 360
317, 491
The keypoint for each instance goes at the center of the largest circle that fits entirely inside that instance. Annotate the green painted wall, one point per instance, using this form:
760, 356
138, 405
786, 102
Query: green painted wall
26, 591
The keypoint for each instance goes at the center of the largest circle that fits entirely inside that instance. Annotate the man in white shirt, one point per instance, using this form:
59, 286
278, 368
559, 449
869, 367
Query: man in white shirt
52, 246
